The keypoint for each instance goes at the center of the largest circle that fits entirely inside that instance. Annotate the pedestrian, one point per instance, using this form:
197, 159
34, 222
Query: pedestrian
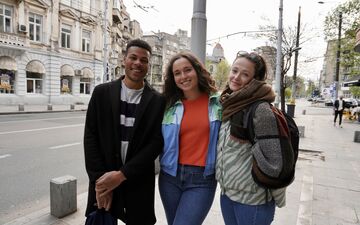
339, 106
242, 200
190, 129
122, 139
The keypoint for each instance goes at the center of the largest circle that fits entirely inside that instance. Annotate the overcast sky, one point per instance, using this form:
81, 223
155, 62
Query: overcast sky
232, 16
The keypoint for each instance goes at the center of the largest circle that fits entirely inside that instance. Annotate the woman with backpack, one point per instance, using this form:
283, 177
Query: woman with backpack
243, 201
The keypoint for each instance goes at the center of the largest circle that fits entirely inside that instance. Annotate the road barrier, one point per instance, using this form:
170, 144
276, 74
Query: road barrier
357, 136
63, 196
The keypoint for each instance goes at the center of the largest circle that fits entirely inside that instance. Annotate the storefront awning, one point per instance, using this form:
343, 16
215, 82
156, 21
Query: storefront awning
35, 67
7, 63
87, 73
67, 70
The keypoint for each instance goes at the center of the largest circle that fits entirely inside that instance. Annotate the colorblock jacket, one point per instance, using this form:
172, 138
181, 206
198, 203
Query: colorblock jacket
171, 129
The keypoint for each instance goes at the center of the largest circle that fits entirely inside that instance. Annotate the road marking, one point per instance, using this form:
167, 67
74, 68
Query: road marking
41, 129
34, 120
306, 198
4, 156
65, 146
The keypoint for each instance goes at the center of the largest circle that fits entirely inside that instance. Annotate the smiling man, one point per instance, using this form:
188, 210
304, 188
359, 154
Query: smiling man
122, 139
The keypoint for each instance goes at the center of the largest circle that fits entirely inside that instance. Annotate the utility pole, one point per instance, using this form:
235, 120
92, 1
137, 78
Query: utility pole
293, 87
338, 58
105, 41
198, 29
279, 56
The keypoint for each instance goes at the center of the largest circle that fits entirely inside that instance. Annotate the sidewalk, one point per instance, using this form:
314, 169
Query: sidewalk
326, 190
14, 109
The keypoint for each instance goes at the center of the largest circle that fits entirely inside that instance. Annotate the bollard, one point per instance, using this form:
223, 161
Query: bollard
63, 196
21, 108
357, 136
304, 112
72, 107
49, 107
301, 131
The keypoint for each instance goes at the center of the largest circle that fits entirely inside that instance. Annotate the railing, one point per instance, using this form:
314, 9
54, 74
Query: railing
13, 39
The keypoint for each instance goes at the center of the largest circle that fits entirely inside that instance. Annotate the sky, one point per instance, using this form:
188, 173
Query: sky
232, 16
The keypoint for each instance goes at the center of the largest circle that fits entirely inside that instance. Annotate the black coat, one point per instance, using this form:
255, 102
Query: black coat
336, 104
102, 151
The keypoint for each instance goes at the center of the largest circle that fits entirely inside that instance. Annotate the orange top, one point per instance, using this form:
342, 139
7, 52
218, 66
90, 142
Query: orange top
194, 132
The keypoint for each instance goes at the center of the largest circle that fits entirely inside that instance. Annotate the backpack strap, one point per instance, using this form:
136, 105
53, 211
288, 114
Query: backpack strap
249, 120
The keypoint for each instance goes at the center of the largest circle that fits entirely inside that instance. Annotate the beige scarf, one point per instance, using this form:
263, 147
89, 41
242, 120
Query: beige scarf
255, 90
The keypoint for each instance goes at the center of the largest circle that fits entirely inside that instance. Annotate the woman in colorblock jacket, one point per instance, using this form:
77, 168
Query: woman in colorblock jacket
190, 129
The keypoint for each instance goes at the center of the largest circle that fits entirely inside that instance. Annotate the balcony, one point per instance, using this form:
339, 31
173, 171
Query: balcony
14, 40
357, 44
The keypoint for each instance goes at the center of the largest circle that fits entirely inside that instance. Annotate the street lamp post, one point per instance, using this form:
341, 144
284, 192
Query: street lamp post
279, 56
337, 70
198, 29
293, 88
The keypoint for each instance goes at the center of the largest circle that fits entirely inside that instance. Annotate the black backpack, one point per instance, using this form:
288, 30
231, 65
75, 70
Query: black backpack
289, 140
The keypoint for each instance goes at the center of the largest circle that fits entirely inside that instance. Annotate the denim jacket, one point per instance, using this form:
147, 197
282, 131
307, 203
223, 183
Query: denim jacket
170, 131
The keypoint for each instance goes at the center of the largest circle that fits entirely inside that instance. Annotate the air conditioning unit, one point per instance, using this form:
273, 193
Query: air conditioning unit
22, 28
78, 72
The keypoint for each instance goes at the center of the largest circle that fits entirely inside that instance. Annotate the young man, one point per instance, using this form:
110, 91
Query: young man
339, 106
122, 139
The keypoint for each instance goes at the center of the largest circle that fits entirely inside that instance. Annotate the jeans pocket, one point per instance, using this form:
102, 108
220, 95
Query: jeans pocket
199, 179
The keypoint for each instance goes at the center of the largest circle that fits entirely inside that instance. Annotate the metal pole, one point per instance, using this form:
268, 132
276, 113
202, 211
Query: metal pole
105, 42
198, 29
293, 87
338, 58
279, 56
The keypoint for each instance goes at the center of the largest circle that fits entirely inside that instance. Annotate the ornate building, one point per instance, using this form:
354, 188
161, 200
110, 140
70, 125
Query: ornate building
52, 52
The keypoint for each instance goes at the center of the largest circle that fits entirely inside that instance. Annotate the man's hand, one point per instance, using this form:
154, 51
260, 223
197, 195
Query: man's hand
104, 201
109, 181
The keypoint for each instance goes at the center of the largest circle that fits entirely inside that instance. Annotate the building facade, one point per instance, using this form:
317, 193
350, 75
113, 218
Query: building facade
164, 46
52, 52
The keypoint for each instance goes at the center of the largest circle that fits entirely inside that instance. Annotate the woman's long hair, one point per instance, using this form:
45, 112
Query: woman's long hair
205, 82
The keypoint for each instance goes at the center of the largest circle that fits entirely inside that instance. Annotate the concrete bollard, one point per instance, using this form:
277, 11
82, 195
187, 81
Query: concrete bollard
301, 131
72, 107
63, 196
357, 136
304, 112
21, 108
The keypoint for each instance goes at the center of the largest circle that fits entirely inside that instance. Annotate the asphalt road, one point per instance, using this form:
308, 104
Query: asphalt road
35, 148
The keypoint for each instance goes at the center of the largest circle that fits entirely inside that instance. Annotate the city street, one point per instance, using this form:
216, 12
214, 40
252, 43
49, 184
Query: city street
34, 148
326, 190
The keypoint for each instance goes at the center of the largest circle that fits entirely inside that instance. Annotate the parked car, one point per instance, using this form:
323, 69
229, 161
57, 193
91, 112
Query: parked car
329, 102
350, 102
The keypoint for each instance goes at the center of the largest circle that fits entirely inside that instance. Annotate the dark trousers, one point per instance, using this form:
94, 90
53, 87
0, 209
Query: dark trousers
340, 113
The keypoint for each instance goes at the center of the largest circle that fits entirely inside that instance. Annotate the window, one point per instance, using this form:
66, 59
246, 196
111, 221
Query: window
7, 81
5, 18
33, 82
86, 37
85, 86
35, 27
66, 84
65, 36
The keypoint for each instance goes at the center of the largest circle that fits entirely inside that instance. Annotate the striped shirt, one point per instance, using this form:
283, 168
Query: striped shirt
129, 100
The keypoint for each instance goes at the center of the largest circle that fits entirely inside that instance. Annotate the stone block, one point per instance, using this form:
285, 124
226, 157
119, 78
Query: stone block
21, 108
301, 131
357, 136
63, 196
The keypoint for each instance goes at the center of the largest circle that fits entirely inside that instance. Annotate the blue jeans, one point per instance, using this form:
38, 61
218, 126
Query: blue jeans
235, 213
187, 198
